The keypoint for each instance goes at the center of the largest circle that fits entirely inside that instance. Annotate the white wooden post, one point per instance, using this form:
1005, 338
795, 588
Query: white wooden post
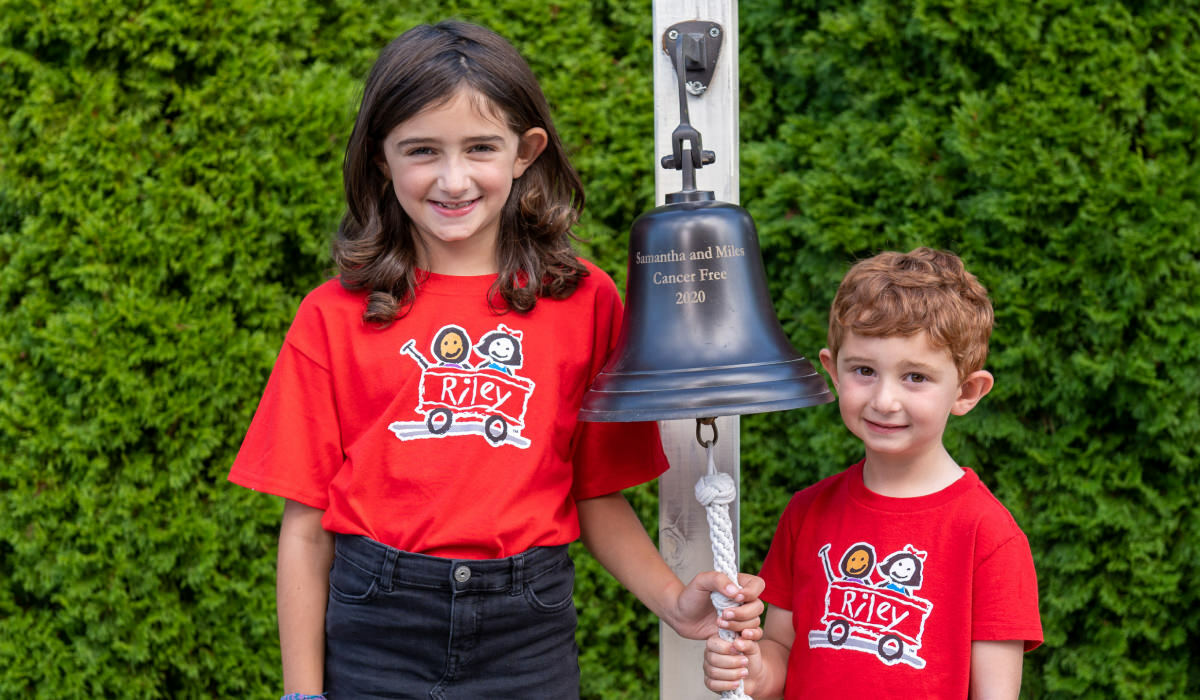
683, 527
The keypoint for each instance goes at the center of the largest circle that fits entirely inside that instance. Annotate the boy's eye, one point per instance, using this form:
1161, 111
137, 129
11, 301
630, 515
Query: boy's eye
864, 371
916, 377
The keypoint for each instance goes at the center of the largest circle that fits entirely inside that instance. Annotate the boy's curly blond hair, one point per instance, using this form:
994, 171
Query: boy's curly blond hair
906, 293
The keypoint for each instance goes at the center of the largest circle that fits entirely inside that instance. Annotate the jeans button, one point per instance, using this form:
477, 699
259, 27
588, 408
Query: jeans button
462, 573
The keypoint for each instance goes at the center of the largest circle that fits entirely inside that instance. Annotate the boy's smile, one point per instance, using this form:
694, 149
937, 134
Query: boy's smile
896, 393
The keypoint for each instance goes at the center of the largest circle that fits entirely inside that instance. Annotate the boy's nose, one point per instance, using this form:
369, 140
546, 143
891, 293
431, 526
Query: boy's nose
884, 398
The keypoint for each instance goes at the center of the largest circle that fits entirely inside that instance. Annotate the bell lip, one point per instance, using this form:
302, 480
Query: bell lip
651, 413
793, 369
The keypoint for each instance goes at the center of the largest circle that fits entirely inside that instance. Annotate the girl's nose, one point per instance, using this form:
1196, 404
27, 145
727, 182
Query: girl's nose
454, 177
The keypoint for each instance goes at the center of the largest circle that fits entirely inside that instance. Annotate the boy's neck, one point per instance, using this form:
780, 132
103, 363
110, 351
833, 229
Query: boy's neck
906, 477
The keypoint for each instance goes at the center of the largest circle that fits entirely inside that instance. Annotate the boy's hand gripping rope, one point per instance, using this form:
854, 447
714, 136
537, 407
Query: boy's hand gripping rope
715, 491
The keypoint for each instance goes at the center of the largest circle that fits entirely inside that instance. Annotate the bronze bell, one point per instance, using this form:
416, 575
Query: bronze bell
699, 337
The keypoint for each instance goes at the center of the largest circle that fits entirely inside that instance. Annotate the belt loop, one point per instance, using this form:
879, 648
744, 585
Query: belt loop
518, 574
388, 572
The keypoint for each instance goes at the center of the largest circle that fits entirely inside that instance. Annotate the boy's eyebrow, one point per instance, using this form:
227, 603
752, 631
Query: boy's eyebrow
857, 360
919, 366
904, 364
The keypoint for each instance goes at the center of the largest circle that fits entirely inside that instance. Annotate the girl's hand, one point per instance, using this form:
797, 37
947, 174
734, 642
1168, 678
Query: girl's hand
696, 618
727, 663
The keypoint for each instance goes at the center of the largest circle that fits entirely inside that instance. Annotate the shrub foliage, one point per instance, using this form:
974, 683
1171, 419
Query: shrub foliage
169, 182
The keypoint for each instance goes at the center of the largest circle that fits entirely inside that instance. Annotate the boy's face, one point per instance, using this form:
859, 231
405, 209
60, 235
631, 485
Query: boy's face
896, 392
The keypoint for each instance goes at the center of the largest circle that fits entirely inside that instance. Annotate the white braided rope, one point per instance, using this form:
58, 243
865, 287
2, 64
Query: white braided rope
715, 491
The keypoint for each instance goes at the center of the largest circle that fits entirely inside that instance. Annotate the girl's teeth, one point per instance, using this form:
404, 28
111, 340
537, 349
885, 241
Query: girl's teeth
453, 205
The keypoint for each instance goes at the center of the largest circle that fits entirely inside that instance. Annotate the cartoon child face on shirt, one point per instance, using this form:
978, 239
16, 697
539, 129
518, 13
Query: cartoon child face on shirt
902, 570
501, 349
858, 560
904, 567
451, 345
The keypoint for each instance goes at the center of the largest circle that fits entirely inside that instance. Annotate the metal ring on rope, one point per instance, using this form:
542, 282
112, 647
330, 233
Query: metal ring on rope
710, 422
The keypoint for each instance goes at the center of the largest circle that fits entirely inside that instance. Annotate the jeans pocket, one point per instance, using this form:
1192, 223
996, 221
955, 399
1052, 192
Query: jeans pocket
351, 584
551, 591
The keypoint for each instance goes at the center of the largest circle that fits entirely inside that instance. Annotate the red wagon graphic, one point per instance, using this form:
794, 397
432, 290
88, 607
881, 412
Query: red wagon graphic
468, 400
870, 618
891, 621
451, 393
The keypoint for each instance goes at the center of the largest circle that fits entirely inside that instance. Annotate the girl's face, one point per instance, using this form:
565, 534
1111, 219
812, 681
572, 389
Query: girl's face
452, 168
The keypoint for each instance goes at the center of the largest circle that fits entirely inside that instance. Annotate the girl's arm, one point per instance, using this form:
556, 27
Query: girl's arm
301, 590
615, 536
996, 669
762, 666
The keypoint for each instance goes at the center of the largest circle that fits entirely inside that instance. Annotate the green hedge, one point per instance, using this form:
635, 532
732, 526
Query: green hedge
170, 178
1053, 145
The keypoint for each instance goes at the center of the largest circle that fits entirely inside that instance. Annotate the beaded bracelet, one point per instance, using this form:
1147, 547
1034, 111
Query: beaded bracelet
302, 696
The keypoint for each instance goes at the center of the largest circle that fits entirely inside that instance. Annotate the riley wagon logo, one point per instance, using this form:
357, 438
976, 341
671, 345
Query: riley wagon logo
458, 398
883, 618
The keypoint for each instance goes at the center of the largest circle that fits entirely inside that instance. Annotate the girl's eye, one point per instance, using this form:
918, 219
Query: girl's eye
482, 148
419, 151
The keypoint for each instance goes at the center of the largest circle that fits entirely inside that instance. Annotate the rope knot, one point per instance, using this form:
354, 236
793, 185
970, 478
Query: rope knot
716, 488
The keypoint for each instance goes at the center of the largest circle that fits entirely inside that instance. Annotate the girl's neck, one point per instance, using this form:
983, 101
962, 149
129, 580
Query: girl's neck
459, 263
905, 477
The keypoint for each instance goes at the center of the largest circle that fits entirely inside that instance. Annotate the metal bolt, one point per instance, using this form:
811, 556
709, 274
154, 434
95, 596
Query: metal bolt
672, 35
714, 32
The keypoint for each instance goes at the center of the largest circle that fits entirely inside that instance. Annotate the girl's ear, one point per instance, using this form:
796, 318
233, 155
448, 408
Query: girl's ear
830, 365
974, 387
529, 146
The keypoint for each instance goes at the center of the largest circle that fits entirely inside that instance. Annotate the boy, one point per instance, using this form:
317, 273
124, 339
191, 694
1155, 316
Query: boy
902, 576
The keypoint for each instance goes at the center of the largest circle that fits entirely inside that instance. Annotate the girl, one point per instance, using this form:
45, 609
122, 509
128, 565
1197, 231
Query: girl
423, 550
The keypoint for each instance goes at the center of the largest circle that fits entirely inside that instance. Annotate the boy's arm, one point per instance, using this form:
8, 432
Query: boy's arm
301, 590
762, 666
996, 669
614, 535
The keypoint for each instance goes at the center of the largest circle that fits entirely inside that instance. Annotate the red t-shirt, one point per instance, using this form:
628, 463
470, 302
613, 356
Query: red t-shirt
887, 594
453, 431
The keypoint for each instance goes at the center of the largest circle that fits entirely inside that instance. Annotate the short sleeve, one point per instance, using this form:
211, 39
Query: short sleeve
1006, 596
616, 456
293, 446
777, 567
609, 457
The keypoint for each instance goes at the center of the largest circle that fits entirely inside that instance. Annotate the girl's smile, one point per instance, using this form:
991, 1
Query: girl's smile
452, 168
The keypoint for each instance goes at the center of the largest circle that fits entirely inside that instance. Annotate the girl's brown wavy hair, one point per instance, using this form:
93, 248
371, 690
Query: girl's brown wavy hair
375, 248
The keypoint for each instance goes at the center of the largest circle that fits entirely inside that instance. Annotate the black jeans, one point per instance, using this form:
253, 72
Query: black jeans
401, 625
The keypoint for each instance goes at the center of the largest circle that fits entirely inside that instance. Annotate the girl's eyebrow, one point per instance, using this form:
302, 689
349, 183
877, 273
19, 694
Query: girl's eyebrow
421, 140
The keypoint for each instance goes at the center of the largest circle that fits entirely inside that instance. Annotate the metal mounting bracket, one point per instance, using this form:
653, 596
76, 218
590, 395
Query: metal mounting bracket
700, 48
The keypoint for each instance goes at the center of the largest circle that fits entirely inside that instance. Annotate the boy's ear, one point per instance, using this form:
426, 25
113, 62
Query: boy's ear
529, 147
974, 387
829, 364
